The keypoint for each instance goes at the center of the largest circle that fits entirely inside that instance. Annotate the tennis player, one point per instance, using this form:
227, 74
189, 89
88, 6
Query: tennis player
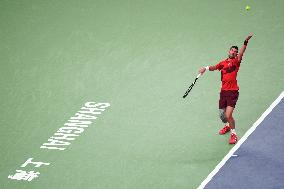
230, 90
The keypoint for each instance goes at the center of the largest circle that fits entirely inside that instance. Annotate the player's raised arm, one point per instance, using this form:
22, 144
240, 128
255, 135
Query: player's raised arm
243, 49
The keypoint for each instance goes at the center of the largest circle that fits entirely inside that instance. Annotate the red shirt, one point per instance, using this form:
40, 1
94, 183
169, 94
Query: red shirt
229, 69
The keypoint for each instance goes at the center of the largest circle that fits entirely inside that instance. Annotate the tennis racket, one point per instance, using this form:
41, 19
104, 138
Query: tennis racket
191, 86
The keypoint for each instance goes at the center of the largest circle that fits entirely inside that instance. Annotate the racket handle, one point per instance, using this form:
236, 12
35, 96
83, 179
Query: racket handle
198, 75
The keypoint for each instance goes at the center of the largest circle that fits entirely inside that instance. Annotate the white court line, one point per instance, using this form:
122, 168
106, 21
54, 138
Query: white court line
240, 142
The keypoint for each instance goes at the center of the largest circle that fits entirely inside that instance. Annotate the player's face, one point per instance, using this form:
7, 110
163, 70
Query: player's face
233, 53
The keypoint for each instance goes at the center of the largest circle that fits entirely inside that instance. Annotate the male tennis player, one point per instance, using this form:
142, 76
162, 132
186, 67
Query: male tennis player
230, 90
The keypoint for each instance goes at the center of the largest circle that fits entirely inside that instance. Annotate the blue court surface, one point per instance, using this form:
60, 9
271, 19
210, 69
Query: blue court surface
258, 161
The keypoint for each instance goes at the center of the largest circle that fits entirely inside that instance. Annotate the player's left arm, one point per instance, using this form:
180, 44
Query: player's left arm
243, 49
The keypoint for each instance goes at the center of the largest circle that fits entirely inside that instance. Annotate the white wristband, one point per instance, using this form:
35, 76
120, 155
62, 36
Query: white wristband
207, 67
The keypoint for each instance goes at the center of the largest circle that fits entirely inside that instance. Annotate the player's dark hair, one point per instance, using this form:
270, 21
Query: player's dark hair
234, 47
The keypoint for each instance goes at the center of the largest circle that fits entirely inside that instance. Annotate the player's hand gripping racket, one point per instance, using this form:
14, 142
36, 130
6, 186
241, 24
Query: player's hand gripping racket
191, 86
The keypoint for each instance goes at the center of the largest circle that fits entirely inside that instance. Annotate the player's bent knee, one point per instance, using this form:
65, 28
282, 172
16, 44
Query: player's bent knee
222, 115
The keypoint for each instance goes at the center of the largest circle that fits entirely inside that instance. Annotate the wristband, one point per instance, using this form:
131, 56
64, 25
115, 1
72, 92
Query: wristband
207, 67
245, 42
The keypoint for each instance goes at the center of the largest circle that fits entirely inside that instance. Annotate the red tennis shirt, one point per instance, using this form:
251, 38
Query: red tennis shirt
229, 69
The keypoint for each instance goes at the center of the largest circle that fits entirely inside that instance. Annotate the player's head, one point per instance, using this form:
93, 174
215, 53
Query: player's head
233, 52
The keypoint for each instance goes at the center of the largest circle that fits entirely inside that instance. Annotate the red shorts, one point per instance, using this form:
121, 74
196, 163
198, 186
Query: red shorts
228, 98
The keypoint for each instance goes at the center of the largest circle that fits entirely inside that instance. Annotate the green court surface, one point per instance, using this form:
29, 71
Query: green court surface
140, 57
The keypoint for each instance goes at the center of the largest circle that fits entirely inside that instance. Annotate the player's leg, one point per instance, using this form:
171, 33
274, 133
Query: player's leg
222, 110
232, 100
222, 115
229, 116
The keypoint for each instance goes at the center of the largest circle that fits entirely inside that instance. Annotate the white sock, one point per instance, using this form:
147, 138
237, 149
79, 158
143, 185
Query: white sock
233, 131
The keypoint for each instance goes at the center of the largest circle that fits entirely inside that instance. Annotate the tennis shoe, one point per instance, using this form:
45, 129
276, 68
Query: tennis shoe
233, 138
225, 129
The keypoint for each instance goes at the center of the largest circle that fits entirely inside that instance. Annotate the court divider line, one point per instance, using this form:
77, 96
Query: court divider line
240, 142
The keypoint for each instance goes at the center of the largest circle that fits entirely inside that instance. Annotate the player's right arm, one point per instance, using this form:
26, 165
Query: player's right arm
210, 68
